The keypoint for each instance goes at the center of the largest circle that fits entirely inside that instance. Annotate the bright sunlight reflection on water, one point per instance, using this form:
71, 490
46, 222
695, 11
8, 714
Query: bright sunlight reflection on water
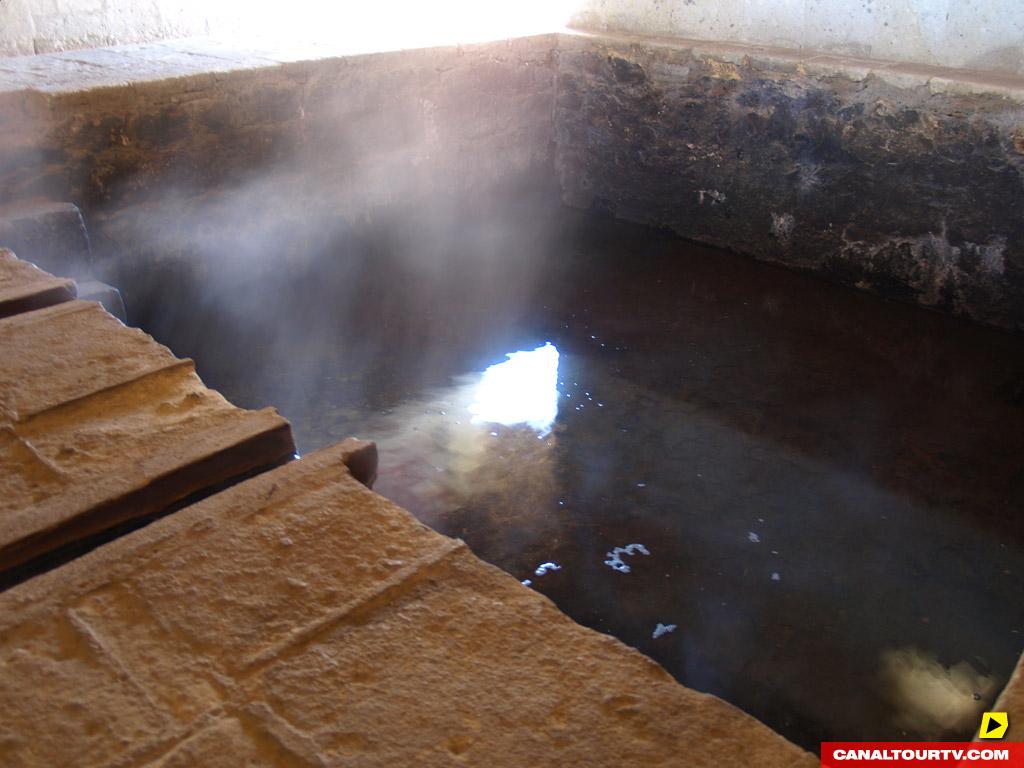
521, 390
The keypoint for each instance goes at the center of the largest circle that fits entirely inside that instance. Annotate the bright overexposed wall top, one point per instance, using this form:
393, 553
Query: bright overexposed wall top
975, 34
43, 26
979, 34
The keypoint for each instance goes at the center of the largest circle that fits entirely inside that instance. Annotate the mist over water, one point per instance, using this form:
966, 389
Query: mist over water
791, 495
815, 489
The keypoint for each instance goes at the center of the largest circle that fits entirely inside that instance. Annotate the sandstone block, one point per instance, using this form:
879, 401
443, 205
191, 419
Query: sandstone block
99, 424
24, 287
299, 619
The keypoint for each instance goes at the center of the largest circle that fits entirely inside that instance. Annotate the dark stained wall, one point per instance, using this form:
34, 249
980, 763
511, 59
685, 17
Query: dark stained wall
902, 183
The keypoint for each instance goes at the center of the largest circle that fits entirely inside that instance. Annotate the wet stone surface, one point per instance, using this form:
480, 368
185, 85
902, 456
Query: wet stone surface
905, 186
817, 490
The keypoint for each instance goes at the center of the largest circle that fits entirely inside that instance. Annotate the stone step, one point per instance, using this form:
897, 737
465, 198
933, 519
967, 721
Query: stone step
24, 287
100, 425
299, 619
50, 235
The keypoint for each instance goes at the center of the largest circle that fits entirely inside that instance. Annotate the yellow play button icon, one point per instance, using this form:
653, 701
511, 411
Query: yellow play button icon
993, 725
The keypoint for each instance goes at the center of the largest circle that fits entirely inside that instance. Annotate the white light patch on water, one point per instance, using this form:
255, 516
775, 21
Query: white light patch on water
521, 390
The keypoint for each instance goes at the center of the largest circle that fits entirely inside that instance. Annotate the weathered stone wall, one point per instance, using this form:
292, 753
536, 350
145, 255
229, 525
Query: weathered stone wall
184, 156
904, 182
901, 180
114, 128
981, 34
35, 26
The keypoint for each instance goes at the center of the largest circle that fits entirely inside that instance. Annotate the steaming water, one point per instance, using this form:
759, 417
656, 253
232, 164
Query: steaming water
797, 497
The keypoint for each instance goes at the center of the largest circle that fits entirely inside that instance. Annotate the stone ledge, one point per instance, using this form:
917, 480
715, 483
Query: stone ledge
24, 287
300, 619
100, 425
143, 124
144, 63
126, 65
938, 79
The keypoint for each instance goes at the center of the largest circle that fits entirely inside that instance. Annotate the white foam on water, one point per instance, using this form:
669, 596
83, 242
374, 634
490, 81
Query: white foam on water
615, 560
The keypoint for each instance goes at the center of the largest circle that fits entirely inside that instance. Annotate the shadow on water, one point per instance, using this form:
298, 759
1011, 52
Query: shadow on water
829, 486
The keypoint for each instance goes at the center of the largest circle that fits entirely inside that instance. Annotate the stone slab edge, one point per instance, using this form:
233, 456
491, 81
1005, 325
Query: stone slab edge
108, 562
34, 600
201, 59
34, 289
938, 79
261, 440
124, 66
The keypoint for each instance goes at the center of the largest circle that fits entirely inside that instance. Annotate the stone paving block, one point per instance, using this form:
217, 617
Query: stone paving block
99, 424
24, 287
298, 619
64, 352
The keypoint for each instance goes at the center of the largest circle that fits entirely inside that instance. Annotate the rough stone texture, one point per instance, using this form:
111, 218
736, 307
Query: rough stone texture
898, 179
24, 287
99, 425
298, 619
51, 235
185, 154
112, 128
904, 181
901, 179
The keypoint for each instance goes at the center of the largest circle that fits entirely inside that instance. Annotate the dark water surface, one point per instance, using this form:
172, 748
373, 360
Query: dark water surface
829, 486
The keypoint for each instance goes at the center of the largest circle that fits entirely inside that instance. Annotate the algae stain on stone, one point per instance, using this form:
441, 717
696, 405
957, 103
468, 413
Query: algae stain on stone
783, 225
